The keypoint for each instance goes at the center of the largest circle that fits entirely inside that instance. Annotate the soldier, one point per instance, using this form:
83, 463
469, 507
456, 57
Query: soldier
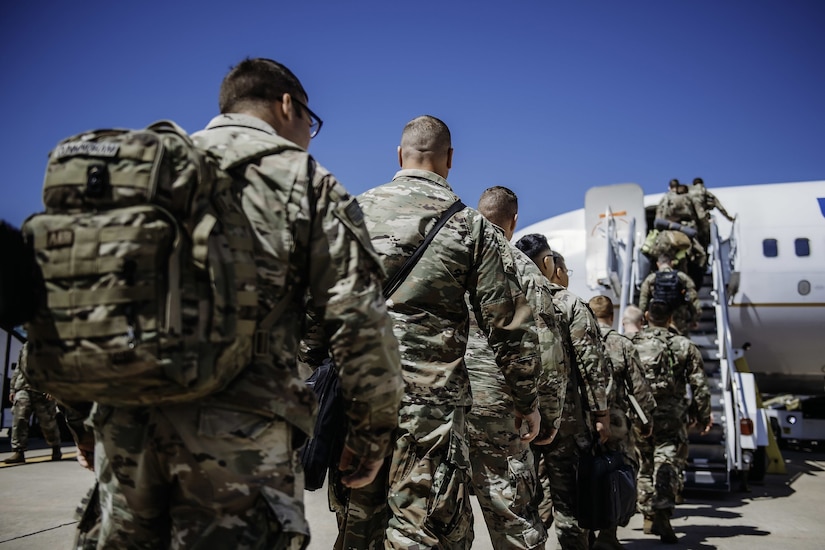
26, 399
628, 380
705, 202
671, 362
677, 206
688, 310
585, 352
632, 319
430, 471
504, 477
223, 472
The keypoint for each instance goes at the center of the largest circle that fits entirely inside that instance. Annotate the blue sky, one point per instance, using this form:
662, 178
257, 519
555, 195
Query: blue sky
546, 97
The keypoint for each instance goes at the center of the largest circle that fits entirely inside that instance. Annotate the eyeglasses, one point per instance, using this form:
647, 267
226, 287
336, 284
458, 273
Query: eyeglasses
569, 272
315, 121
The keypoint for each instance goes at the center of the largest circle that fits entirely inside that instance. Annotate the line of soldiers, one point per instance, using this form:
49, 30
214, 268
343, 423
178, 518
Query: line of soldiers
223, 472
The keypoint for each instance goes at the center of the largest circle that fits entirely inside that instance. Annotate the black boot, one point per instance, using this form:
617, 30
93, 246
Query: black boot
661, 526
57, 453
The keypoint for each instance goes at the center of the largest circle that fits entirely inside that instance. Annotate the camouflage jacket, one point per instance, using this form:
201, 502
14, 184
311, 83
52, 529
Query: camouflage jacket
678, 208
684, 315
313, 242
628, 375
688, 371
705, 202
429, 312
583, 348
490, 397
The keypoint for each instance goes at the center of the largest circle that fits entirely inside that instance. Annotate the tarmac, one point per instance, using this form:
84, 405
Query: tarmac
785, 511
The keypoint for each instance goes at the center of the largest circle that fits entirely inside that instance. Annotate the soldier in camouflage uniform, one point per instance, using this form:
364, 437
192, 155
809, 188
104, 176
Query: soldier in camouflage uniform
677, 206
686, 315
705, 202
504, 476
632, 320
628, 380
224, 472
584, 351
26, 399
430, 471
660, 473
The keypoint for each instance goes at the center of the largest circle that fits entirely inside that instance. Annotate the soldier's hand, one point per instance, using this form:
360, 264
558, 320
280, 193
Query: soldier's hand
11, 397
707, 428
603, 425
86, 451
532, 423
362, 471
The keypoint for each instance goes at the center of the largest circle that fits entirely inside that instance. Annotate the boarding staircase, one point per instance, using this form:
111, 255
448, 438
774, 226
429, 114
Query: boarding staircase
715, 458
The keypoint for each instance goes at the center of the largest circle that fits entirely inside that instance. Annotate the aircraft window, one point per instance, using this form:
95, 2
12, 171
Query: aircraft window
803, 247
770, 248
804, 287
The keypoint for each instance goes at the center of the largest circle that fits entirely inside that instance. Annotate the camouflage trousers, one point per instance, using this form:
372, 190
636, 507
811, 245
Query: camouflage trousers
429, 480
558, 463
660, 473
362, 514
195, 477
26, 402
504, 481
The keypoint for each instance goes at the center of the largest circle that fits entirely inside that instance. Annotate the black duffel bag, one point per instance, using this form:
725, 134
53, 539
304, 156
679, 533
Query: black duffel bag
323, 450
605, 489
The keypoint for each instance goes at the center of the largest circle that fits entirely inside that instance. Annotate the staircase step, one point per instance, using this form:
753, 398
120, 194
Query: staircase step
707, 480
699, 453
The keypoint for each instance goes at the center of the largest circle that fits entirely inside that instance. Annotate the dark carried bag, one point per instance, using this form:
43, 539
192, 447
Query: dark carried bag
605, 483
21, 284
324, 449
606, 489
668, 288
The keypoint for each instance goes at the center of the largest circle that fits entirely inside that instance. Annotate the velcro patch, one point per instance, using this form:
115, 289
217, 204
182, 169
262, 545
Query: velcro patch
354, 212
60, 238
86, 148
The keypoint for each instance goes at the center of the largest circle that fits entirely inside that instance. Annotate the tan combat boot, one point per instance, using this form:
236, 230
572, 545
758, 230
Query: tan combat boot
661, 526
17, 458
607, 540
648, 525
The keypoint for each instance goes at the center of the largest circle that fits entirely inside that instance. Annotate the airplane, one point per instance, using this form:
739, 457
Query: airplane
777, 295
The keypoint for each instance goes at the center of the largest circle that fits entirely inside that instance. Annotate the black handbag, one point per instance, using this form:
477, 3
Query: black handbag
605, 483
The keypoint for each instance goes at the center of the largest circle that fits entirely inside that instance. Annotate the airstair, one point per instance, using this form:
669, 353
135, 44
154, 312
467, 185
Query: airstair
615, 265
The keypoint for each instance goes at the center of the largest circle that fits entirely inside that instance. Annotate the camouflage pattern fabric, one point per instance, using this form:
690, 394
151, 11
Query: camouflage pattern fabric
661, 468
26, 401
504, 478
557, 469
627, 375
236, 442
685, 314
431, 322
679, 208
705, 202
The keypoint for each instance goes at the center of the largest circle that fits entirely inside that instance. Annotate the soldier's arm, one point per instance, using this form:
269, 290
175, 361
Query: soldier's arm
719, 206
590, 354
698, 385
636, 381
644, 293
693, 299
504, 315
345, 283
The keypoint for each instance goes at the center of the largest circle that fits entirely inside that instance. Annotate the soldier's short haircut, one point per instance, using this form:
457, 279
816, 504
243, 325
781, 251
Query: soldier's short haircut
697, 181
658, 312
673, 183
498, 204
664, 258
254, 82
602, 306
633, 314
534, 245
426, 135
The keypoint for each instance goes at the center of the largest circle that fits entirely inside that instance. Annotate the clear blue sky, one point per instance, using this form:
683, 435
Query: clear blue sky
548, 97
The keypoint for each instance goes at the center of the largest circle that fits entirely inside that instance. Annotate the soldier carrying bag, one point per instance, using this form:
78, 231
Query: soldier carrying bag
323, 450
150, 279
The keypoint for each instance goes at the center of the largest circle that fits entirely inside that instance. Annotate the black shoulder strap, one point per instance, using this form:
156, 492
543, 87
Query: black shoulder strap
398, 277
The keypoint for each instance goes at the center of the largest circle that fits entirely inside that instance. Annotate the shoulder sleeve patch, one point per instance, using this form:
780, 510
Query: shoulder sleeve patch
354, 213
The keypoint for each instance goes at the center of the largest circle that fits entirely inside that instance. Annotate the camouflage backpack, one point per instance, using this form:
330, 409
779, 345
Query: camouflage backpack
655, 351
150, 278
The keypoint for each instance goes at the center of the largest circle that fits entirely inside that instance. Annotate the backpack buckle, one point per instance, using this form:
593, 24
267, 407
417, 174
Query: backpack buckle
260, 343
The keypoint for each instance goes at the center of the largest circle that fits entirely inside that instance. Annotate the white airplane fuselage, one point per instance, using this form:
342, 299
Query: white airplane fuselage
777, 313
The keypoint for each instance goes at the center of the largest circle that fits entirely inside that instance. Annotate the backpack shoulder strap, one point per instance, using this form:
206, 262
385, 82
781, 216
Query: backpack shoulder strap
398, 277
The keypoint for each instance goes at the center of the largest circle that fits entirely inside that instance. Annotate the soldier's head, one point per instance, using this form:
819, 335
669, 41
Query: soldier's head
550, 263
664, 259
682, 189
426, 145
632, 320
658, 314
602, 308
698, 181
270, 91
500, 205
673, 184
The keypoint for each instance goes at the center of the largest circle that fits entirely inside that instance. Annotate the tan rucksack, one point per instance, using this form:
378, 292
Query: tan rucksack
147, 258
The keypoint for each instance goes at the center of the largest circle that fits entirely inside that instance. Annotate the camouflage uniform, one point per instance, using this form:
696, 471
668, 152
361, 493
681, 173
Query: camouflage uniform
627, 375
558, 461
660, 472
684, 315
705, 202
224, 472
504, 476
26, 400
680, 208
430, 471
